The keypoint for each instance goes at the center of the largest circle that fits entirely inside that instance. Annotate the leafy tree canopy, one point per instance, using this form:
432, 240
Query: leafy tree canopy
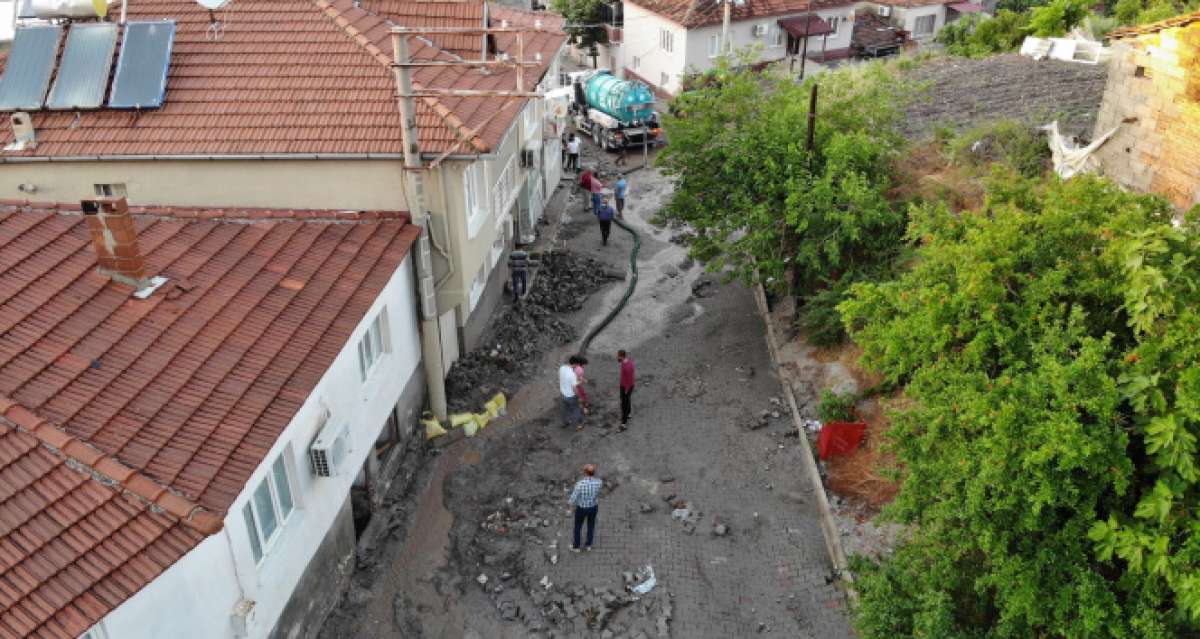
763, 206
584, 19
1049, 344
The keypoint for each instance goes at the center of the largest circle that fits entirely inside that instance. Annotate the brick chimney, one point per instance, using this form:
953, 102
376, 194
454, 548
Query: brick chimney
115, 239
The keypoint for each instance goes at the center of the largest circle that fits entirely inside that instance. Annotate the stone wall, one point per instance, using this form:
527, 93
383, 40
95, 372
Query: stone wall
1153, 100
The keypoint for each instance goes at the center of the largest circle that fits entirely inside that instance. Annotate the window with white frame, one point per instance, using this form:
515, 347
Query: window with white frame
373, 345
498, 246
473, 197
714, 45
637, 62
666, 40
477, 285
109, 190
269, 507
531, 111
776, 36
924, 25
833, 25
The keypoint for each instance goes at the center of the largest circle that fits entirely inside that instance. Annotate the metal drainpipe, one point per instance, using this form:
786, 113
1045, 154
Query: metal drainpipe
446, 227
431, 334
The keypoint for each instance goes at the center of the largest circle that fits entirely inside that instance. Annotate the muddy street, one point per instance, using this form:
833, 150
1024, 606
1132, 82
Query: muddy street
705, 528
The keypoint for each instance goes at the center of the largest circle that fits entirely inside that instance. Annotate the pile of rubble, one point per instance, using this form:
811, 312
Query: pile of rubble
520, 333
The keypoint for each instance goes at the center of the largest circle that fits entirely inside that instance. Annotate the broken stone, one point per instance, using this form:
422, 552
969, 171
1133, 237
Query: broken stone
508, 610
646, 508
720, 530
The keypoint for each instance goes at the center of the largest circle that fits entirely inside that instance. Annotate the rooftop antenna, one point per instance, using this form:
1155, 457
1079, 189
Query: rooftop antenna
215, 27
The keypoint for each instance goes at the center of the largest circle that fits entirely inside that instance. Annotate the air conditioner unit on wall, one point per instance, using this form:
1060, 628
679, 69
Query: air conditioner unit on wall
760, 30
329, 449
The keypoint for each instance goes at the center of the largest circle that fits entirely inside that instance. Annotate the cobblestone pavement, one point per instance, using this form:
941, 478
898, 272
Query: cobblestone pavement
708, 432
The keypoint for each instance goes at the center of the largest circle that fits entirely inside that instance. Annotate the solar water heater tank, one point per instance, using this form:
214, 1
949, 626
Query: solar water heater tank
70, 8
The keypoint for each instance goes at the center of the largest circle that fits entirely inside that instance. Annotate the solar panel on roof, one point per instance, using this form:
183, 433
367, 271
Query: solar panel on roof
141, 80
83, 73
30, 63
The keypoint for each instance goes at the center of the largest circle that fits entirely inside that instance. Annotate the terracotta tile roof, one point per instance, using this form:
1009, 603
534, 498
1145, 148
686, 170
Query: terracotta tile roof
460, 14
109, 404
1154, 27
699, 13
909, 4
302, 77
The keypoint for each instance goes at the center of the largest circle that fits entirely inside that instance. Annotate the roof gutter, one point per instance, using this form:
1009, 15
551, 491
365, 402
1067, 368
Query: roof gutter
248, 157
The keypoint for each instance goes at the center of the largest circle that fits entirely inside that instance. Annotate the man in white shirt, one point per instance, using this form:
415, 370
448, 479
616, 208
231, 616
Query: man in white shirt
573, 153
567, 381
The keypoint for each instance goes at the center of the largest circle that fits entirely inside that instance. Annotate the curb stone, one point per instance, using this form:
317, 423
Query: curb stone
833, 542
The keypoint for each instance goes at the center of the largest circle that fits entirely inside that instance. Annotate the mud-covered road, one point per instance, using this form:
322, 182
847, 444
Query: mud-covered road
702, 489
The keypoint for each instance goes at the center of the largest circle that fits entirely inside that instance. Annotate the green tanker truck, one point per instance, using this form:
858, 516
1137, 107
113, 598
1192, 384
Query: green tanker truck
616, 113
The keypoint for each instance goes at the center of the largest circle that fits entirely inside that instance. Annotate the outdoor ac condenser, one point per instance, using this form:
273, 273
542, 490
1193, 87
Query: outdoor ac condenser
329, 449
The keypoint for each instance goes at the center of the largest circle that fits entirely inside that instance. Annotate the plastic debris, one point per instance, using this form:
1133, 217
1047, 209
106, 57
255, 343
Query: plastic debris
647, 585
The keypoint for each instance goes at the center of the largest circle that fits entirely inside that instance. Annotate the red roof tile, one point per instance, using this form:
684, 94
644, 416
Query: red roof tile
128, 427
299, 77
699, 13
1154, 27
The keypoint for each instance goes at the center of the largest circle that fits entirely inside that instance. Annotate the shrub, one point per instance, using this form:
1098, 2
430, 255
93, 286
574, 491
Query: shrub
835, 407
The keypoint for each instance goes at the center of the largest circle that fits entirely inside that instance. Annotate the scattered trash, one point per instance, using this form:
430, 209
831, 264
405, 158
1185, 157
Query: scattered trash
647, 585
546, 583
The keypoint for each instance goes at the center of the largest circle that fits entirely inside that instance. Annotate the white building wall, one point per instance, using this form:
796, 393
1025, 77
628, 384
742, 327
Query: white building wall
643, 50
907, 18
195, 598
742, 36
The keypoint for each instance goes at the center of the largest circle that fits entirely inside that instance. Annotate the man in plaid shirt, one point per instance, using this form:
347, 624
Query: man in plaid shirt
586, 499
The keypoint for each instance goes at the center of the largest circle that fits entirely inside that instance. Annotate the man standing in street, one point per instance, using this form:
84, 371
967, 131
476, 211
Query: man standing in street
628, 376
597, 189
585, 497
605, 214
567, 381
519, 264
573, 153
619, 191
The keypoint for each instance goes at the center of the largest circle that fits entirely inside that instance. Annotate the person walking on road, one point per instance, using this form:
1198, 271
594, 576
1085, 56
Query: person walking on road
519, 264
573, 153
585, 497
619, 191
597, 189
605, 214
584, 405
567, 384
628, 378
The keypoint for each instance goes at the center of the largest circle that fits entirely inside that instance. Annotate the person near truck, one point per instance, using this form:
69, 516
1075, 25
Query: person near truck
519, 263
597, 189
605, 214
573, 153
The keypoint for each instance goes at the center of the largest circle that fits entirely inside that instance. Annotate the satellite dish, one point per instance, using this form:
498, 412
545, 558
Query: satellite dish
212, 5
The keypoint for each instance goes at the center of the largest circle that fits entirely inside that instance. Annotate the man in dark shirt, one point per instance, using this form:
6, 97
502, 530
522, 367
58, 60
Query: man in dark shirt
605, 214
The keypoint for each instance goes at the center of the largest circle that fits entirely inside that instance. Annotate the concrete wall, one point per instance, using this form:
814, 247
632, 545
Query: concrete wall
322, 583
1152, 99
309, 184
196, 597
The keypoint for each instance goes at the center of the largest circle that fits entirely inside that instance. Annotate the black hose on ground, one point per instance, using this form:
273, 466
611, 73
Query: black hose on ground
633, 280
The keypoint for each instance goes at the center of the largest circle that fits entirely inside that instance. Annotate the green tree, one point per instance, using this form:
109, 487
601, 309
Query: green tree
1057, 17
761, 204
980, 37
584, 21
1048, 345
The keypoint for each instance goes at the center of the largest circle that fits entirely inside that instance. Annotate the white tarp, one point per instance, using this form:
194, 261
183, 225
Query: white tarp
1069, 159
1073, 49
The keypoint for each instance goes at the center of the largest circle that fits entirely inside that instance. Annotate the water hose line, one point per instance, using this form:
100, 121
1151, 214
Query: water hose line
633, 280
